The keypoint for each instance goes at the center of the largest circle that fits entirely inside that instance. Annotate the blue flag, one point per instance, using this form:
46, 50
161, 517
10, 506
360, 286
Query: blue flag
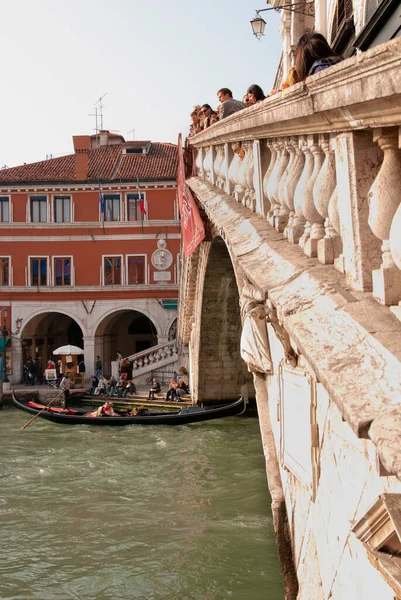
101, 201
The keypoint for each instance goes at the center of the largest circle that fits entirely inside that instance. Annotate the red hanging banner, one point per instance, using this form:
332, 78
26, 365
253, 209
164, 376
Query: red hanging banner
192, 227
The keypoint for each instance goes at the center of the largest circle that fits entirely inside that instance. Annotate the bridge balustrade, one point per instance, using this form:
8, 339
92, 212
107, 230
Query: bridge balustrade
321, 162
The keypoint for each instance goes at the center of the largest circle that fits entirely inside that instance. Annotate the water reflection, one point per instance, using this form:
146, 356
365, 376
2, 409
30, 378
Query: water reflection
135, 513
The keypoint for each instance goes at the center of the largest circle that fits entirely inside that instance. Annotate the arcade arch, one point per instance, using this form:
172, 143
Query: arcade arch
45, 332
126, 331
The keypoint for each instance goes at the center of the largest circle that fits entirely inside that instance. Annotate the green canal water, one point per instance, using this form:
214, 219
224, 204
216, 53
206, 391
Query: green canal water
141, 513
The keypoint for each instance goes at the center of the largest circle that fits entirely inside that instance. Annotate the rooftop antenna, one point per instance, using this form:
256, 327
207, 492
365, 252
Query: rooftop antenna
99, 104
98, 114
133, 134
95, 114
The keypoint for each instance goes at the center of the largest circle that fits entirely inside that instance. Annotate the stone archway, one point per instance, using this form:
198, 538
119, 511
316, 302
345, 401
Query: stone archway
126, 331
45, 332
218, 371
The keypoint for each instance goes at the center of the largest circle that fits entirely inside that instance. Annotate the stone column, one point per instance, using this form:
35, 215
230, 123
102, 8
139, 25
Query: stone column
16, 360
89, 356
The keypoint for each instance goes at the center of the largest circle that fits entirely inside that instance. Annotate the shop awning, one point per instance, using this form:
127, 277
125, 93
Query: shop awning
170, 304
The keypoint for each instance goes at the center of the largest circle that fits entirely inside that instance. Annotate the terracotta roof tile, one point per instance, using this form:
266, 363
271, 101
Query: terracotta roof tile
45, 170
160, 163
106, 163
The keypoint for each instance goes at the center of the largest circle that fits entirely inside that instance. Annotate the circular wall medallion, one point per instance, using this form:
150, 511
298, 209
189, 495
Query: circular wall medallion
162, 259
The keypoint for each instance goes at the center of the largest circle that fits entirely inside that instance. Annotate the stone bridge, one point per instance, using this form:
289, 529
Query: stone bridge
295, 293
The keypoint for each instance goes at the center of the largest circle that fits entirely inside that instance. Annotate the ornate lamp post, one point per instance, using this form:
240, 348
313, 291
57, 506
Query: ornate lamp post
304, 7
5, 334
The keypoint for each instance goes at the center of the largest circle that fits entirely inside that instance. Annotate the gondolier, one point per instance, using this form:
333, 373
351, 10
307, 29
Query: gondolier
65, 385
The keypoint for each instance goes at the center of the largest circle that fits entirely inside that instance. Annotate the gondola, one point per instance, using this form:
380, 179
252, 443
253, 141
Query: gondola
184, 416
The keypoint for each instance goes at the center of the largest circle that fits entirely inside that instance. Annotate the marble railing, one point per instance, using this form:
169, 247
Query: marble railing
321, 162
153, 358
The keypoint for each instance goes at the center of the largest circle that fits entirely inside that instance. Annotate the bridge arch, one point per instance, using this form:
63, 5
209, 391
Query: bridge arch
217, 369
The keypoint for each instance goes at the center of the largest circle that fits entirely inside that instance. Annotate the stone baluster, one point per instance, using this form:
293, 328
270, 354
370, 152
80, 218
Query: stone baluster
384, 200
240, 188
298, 227
237, 190
226, 162
289, 191
199, 162
218, 165
261, 157
266, 178
208, 164
274, 182
284, 213
249, 199
311, 213
323, 190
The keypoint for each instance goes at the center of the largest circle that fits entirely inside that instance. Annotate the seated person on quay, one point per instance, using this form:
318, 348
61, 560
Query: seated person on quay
111, 386
155, 389
130, 388
172, 391
183, 386
101, 387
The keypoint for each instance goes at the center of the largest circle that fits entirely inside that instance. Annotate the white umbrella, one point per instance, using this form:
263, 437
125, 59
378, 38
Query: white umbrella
68, 350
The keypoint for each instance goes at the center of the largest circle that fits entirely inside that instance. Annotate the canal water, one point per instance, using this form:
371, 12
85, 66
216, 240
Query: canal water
135, 513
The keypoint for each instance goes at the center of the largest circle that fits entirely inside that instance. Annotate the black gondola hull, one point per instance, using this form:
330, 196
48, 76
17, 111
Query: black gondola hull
184, 416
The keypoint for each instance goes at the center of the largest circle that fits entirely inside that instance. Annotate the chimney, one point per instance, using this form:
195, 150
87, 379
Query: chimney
82, 144
103, 137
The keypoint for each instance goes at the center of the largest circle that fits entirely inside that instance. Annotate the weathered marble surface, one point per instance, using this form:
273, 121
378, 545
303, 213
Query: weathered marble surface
350, 342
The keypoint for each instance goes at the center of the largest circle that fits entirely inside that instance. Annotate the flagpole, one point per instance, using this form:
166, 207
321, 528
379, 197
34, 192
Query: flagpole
101, 201
139, 197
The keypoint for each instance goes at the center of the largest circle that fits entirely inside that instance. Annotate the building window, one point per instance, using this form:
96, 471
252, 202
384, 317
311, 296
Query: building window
38, 271
62, 271
4, 271
62, 209
136, 269
112, 207
133, 207
38, 209
112, 270
342, 19
4, 209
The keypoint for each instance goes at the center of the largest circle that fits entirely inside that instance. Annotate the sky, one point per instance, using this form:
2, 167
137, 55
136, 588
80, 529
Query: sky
153, 60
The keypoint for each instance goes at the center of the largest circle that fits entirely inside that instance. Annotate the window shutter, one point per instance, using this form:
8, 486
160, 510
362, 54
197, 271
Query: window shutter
370, 7
343, 12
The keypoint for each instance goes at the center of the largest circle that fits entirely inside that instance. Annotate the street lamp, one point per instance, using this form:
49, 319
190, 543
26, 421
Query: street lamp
258, 26
306, 7
5, 333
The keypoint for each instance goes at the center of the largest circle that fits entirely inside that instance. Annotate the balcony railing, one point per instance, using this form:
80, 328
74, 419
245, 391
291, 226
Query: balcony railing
321, 161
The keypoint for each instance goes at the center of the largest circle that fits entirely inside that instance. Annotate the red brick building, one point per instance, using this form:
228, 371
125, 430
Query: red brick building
105, 280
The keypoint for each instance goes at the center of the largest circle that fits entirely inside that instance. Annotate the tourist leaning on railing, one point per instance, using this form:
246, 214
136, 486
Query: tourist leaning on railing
254, 94
313, 54
228, 105
206, 113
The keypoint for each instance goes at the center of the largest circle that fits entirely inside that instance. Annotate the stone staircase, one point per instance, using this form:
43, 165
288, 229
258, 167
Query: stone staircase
154, 358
